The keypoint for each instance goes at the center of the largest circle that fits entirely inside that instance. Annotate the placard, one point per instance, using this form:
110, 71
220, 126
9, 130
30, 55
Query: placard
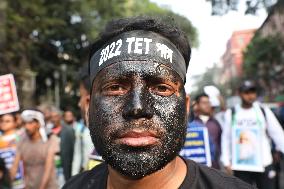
246, 149
8, 154
197, 146
8, 94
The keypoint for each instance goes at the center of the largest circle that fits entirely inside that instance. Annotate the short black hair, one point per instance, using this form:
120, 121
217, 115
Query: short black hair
13, 114
166, 28
84, 77
199, 96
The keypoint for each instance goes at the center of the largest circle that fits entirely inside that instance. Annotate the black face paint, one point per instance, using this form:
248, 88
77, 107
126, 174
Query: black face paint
138, 107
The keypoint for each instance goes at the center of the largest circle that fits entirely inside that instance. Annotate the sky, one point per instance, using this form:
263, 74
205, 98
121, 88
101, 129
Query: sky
213, 31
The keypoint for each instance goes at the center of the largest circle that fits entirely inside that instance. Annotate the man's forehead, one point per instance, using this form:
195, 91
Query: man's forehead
145, 69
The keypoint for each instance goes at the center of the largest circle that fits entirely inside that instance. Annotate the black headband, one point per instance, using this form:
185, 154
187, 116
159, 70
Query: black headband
138, 45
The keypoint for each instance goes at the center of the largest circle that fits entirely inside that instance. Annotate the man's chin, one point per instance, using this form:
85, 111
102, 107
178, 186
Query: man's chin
136, 174
29, 134
136, 163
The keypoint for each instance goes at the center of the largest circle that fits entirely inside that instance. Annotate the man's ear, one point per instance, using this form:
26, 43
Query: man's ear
87, 109
88, 100
187, 104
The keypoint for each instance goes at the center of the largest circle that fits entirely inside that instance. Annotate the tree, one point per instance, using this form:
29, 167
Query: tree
49, 40
209, 78
265, 54
145, 7
37, 42
220, 7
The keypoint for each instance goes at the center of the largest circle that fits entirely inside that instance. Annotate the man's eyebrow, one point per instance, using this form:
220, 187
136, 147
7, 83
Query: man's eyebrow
161, 78
112, 77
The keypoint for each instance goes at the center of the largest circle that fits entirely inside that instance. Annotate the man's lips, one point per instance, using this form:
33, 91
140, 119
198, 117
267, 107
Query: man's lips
138, 138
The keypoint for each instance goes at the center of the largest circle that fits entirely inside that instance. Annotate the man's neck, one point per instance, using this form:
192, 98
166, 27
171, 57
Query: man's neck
169, 177
35, 137
204, 118
12, 131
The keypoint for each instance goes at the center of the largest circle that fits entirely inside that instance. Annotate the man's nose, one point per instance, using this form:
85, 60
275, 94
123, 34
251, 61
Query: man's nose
138, 105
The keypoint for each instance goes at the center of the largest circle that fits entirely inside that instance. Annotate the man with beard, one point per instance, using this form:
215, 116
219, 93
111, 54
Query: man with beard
138, 110
67, 139
205, 117
253, 127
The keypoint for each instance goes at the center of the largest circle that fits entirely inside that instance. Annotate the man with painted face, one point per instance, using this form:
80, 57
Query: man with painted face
138, 110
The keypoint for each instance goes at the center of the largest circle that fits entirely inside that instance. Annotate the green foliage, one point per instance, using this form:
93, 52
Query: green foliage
264, 62
223, 7
209, 78
144, 7
111, 9
44, 35
263, 54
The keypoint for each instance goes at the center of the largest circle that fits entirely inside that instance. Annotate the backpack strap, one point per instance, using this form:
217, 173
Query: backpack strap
263, 112
265, 119
233, 115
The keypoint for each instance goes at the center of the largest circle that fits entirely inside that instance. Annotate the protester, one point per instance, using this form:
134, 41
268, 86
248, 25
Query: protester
8, 140
246, 139
138, 110
46, 110
37, 152
204, 115
67, 140
79, 160
192, 110
84, 89
70, 120
8, 127
19, 120
220, 115
85, 155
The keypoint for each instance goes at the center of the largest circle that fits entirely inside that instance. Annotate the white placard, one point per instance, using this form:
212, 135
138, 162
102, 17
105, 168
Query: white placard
246, 149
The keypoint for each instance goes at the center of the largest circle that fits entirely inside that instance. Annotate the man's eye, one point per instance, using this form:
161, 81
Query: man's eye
163, 90
114, 89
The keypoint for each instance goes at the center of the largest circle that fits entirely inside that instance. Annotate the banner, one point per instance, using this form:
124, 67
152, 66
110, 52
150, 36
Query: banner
197, 146
8, 94
246, 149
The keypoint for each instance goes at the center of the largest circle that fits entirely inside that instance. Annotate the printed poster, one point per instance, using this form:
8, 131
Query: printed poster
8, 94
8, 154
246, 149
197, 146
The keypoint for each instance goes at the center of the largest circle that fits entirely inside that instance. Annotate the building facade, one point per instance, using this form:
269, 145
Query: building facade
232, 59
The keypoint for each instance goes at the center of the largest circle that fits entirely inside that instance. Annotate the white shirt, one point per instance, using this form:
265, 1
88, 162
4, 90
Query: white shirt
252, 116
83, 147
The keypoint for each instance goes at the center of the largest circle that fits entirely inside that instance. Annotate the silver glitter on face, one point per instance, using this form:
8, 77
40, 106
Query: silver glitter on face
133, 97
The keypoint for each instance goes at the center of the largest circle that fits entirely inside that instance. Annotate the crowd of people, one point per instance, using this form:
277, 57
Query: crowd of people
40, 155
43, 147
133, 124
247, 139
